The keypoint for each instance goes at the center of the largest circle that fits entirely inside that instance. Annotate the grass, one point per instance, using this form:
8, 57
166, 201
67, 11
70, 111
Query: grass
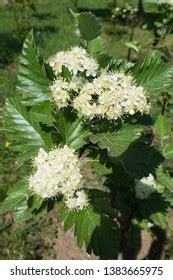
54, 30
33, 240
90, 4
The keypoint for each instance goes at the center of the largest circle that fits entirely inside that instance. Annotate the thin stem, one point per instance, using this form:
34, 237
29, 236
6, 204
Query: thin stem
14, 7
76, 4
130, 40
140, 10
164, 104
137, 21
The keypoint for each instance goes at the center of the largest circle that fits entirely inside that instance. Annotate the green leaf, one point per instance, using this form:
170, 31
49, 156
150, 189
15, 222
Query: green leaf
165, 184
117, 142
134, 45
16, 202
153, 74
35, 202
21, 213
70, 130
141, 159
89, 26
33, 83
104, 59
155, 204
120, 65
168, 151
94, 228
162, 127
24, 130
96, 46
42, 113
137, 157
159, 219
66, 74
100, 169
15, 196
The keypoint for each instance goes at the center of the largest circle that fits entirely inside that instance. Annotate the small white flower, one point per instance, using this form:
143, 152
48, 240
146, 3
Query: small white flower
71, 203
77, 32
60, 90
149, 181
77, 60
145, 187
78, 201
82, 199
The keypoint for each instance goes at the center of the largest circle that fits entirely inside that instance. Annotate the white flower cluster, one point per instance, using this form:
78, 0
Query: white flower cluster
111, 96
76, 60
58, 173
77, 201
60, 90
145, 187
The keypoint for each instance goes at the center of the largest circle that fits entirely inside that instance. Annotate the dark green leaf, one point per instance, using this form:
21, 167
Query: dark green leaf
155, 204
24, 130
117, 142
42, 113
16, 202
70, 129
34, 202
104, 59
33, 83
154, 75
66, 74
89, 26
141, 159
120, 65
94, 228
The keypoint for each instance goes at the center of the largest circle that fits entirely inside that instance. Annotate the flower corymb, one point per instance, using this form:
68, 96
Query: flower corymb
111, 96
77, 60
57, 173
